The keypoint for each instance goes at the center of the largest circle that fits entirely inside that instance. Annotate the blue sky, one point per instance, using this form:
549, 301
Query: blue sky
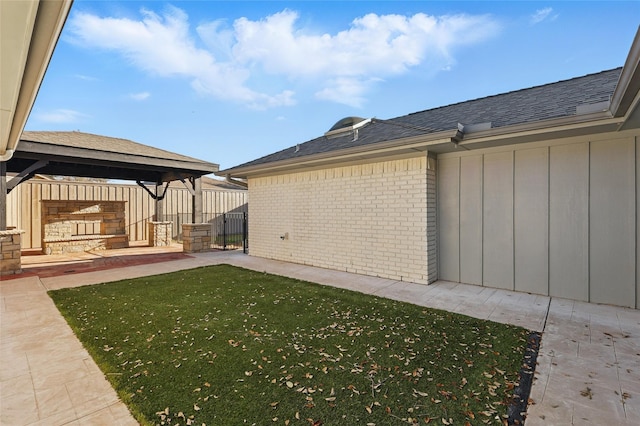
231, 81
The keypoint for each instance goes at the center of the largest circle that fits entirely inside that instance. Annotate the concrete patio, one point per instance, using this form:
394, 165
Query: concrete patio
588, 367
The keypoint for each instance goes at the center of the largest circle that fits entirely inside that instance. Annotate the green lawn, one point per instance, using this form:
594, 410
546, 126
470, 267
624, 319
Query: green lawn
231, 239
222, 345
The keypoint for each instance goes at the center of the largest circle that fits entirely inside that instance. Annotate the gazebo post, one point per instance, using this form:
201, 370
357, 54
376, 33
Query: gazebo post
159, 213
159, 229
196, 236
196, 212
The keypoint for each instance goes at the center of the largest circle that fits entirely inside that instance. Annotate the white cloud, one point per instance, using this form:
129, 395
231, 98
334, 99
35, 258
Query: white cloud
139, 96
85, 77
543, 15
347, 63
60, 116
345, 90
238, 62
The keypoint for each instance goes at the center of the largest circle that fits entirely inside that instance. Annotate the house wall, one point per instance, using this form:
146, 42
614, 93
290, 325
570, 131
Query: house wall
24, 205
558, 218
369, 219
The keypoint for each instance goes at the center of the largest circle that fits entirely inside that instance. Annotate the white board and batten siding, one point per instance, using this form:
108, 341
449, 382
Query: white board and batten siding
558, 218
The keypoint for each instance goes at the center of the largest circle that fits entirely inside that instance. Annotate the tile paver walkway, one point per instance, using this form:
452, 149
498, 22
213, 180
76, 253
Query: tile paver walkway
46, 376
588, 367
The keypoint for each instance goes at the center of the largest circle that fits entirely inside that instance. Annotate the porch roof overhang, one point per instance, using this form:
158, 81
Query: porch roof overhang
29, 31
86, 155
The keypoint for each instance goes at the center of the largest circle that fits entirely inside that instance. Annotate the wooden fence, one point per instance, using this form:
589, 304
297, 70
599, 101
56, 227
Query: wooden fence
24, 207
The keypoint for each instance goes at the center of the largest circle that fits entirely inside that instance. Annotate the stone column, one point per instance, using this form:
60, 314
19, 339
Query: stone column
196, 237
10, 245
160, 234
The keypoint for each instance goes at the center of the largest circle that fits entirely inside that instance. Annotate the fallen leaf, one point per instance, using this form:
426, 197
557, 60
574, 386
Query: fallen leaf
587, 393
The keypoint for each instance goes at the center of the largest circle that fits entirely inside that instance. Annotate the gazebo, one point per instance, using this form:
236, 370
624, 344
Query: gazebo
87, 155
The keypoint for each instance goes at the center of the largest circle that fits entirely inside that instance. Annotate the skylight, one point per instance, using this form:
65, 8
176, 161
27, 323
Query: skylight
346, 126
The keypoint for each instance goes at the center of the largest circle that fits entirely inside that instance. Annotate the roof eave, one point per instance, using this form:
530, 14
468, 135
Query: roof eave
629, 82
42, 24
38, 149
559, 128
351, 154
440, 142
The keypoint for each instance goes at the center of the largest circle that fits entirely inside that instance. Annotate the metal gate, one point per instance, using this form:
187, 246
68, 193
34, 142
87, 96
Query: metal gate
229, 231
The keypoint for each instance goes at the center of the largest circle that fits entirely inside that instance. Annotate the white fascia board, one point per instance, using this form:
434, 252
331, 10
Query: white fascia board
629, 82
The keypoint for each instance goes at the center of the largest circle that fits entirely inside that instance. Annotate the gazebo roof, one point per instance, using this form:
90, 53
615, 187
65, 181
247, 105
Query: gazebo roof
88, 155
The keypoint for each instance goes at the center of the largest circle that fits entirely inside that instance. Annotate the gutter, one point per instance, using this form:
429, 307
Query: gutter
6, 156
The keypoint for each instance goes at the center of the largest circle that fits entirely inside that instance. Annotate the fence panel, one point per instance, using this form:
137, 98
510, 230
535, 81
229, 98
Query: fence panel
24, 205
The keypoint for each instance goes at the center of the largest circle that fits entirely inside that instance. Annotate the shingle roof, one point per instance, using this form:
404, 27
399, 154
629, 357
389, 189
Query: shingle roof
102, 143
88, 155
549, 101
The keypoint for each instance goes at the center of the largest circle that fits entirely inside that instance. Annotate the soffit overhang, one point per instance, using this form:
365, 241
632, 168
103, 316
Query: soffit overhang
29, 31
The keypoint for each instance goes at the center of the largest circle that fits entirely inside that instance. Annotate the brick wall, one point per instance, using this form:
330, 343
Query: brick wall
369, 219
